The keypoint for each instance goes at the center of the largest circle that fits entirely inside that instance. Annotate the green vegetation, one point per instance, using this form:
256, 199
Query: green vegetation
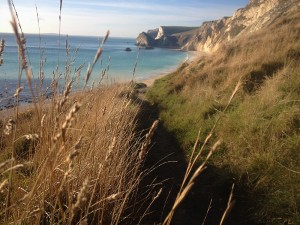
261, 128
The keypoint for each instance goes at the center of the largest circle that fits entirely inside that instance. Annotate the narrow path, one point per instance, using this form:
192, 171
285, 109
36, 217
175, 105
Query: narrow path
211, 190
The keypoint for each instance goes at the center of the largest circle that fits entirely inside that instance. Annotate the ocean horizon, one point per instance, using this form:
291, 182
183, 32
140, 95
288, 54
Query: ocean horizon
54, 56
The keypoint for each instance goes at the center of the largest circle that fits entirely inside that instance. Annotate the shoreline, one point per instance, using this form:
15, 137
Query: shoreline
149, 81
191, 57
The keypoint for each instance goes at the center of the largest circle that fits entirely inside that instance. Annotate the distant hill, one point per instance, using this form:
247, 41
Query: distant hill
208, 37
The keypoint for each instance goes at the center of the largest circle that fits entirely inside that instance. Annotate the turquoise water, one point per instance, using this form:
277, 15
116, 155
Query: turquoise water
118, 62
121, 62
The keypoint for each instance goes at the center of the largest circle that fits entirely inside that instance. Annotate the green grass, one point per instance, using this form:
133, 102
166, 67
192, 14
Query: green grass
261, 128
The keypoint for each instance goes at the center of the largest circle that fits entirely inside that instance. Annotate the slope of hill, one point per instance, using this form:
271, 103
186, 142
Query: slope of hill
260, 130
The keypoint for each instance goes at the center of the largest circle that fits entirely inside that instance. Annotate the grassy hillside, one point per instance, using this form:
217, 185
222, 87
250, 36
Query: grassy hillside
260, 131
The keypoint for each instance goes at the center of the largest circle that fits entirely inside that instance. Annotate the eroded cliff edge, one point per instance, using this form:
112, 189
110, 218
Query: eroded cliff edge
210, 35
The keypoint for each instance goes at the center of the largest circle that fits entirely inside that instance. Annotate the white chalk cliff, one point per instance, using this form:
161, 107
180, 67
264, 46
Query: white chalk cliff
210, 35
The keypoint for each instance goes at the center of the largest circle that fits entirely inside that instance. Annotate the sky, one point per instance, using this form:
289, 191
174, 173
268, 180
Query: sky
122, 18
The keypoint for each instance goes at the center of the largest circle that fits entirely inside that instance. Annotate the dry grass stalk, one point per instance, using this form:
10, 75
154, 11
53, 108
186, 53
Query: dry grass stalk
96, 58
69, 118
81, 198
42, 59
2, 44
147, 142
135, 65
43, 120
65, 96
3, 185
5, 163
72, 156
110, 149
21, 42
230, 204
208, 209
12, 168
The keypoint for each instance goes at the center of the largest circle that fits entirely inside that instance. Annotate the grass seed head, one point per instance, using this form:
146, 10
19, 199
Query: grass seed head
147, 142
18, 90
9, 127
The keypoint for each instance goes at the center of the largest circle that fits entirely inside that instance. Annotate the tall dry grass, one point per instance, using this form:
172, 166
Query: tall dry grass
75, 158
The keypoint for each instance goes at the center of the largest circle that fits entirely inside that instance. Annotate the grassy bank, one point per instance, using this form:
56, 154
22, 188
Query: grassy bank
260, 130
80, 162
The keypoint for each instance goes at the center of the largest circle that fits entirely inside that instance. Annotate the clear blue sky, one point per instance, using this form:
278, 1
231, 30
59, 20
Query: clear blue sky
122, 18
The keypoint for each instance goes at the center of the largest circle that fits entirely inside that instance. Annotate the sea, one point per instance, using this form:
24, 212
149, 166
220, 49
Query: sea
54, 55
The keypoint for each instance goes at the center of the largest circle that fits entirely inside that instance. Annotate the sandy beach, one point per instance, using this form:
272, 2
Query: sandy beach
191, 57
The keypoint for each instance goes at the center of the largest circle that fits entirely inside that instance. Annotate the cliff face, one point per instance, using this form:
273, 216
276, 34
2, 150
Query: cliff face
209, 36
145, 40
164, 36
